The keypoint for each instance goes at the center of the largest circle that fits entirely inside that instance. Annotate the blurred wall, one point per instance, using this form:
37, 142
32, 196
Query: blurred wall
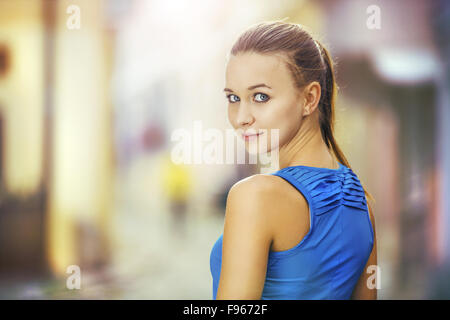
81, 180
22, 188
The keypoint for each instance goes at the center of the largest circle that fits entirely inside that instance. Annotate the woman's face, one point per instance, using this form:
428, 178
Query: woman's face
261, 97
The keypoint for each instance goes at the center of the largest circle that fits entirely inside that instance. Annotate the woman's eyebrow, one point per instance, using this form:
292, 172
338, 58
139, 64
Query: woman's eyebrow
251, 87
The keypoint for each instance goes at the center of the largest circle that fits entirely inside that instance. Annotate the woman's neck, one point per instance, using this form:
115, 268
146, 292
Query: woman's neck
307, 148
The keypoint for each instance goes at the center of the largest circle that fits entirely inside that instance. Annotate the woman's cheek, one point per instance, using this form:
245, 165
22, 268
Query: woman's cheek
232, 116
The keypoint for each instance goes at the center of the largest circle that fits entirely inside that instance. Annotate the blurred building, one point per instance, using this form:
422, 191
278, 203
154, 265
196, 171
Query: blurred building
56, 137
23, 192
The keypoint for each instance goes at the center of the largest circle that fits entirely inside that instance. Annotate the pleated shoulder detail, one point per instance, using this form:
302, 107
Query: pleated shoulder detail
327, 188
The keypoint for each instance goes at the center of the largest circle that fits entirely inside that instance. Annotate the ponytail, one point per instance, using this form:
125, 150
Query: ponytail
327, 106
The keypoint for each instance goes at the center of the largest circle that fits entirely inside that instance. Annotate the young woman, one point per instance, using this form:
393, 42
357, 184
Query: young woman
304, 231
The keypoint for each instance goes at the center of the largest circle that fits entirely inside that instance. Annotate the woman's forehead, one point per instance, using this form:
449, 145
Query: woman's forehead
246, 69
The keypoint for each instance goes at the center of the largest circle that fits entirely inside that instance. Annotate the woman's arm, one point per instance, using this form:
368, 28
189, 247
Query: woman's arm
362, 291
247, 238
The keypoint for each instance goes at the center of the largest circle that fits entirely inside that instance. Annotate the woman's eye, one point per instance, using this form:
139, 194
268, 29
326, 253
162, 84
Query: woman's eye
232, 98
261, 97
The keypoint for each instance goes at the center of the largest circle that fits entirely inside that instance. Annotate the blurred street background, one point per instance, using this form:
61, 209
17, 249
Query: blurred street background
91, 92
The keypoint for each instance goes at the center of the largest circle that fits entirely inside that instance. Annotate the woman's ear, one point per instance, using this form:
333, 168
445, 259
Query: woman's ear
306, 108
303, 103
311, 97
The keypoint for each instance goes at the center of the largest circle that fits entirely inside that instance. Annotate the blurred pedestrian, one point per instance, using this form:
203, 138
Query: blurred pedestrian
176, 181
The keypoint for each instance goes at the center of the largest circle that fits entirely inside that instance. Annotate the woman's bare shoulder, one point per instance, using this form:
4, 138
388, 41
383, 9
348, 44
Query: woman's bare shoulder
272, 204
272, 194
269, 185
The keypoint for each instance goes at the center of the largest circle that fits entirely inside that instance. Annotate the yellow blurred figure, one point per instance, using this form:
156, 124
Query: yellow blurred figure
176, 181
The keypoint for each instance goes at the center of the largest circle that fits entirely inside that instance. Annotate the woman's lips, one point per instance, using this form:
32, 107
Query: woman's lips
249, 137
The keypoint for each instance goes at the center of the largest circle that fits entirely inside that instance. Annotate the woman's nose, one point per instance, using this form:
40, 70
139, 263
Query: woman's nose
244, 116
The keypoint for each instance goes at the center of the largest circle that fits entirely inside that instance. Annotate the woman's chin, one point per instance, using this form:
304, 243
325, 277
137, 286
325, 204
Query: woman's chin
255, 148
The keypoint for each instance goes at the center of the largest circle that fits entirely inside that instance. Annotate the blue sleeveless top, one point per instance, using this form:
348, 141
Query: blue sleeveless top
328, 261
